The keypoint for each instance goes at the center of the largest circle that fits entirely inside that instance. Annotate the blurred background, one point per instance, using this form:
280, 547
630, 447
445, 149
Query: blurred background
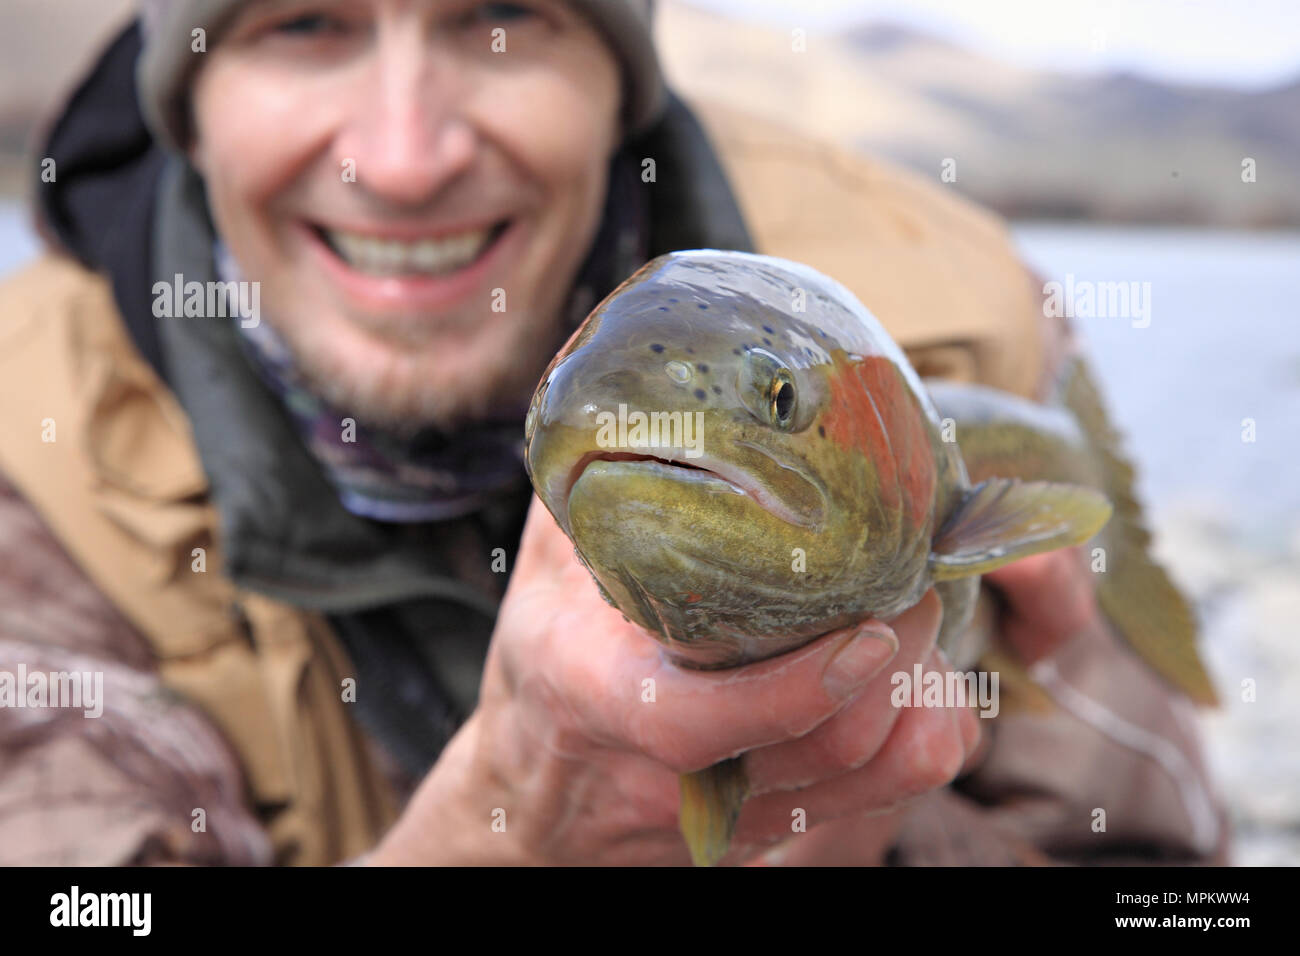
1115, 135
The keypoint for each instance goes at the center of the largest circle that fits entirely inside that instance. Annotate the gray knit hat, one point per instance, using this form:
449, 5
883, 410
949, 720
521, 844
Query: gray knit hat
167, 63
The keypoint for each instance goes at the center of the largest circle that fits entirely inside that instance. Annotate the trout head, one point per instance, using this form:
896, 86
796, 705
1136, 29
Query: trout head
693, 440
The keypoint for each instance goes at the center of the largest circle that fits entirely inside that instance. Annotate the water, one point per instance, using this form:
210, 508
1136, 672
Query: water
1222, 346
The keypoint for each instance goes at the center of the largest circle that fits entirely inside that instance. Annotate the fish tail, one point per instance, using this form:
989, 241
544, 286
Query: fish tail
1135, 592
711, 802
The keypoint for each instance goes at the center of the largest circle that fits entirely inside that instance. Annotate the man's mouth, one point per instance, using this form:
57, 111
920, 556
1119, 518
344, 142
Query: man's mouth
382, 256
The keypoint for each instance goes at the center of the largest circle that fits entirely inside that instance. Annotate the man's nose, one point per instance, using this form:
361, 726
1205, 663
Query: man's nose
407, 136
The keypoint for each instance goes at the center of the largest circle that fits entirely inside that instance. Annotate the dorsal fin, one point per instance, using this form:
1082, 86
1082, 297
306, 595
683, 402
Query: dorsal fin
1136, 593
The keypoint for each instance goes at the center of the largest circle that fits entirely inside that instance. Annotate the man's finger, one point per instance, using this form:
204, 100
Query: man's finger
630, 694
925, 751
852, 737
1050, 598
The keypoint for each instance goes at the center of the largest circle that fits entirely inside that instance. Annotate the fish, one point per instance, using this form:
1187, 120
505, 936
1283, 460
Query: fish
745, 460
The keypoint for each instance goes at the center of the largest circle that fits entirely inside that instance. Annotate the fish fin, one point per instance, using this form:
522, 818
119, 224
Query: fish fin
1004, 519
1017, 689
963, 633
711, 803
1136, 594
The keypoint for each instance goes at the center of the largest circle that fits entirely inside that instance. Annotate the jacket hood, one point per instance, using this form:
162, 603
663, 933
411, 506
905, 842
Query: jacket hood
99, 208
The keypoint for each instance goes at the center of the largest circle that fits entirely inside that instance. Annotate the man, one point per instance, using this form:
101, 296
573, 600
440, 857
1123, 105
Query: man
283, 531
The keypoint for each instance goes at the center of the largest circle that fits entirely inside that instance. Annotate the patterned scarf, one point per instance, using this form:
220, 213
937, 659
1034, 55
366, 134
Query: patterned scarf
434, 475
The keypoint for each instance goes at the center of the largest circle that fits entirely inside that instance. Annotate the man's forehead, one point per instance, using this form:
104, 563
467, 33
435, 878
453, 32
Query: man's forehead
271, 6
306, 6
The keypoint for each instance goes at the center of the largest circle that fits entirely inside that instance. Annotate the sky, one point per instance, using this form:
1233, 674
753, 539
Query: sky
1249, 44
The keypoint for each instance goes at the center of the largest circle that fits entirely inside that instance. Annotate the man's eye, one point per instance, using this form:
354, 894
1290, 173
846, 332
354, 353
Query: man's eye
501, 11
311, 24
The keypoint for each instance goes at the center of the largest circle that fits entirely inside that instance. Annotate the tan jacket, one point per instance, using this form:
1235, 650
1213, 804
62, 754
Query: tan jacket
224, 736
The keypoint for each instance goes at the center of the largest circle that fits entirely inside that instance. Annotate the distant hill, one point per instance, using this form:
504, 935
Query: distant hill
1028, 143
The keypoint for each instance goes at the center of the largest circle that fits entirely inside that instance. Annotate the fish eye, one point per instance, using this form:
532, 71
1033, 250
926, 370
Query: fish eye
768, 390
782, 399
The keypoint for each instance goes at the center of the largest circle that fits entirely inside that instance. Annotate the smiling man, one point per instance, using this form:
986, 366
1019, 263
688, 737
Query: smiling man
286, 539
478, 166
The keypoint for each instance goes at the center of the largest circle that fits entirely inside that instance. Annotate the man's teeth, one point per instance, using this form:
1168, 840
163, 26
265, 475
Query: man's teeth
391, 257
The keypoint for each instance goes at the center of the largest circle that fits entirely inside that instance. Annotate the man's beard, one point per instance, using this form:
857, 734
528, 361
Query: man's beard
412, 388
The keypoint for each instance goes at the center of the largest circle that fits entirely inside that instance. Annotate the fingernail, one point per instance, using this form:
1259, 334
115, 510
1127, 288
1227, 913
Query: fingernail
859, 659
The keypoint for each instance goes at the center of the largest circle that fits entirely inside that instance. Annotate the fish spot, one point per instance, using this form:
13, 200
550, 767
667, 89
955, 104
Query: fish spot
822, 333
735, 351
717, 389
700, 394
663, 308
673, 301
821, 430
767, 341
690, 351
703, 368
656, 348
702, 305
768, 330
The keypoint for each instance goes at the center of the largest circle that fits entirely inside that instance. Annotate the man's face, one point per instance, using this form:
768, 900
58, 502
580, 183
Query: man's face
414, 203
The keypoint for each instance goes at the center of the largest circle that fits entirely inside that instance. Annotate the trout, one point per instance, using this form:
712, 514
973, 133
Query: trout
745, 460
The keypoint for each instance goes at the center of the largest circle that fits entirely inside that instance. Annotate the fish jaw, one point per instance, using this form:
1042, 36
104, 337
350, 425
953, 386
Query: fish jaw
695, 549
689, 556
678, 464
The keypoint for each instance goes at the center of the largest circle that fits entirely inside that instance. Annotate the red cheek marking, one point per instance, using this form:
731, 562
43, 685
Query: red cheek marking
872, 411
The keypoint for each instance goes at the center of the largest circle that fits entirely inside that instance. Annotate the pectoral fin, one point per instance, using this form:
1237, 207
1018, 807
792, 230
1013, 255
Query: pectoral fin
711, 802
1003, 520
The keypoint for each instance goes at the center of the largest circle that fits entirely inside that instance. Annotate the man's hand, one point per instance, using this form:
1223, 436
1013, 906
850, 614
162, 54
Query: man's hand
1049, 599
583, 727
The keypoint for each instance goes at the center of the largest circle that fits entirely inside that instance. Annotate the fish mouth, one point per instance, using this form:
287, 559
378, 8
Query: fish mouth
707, 469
